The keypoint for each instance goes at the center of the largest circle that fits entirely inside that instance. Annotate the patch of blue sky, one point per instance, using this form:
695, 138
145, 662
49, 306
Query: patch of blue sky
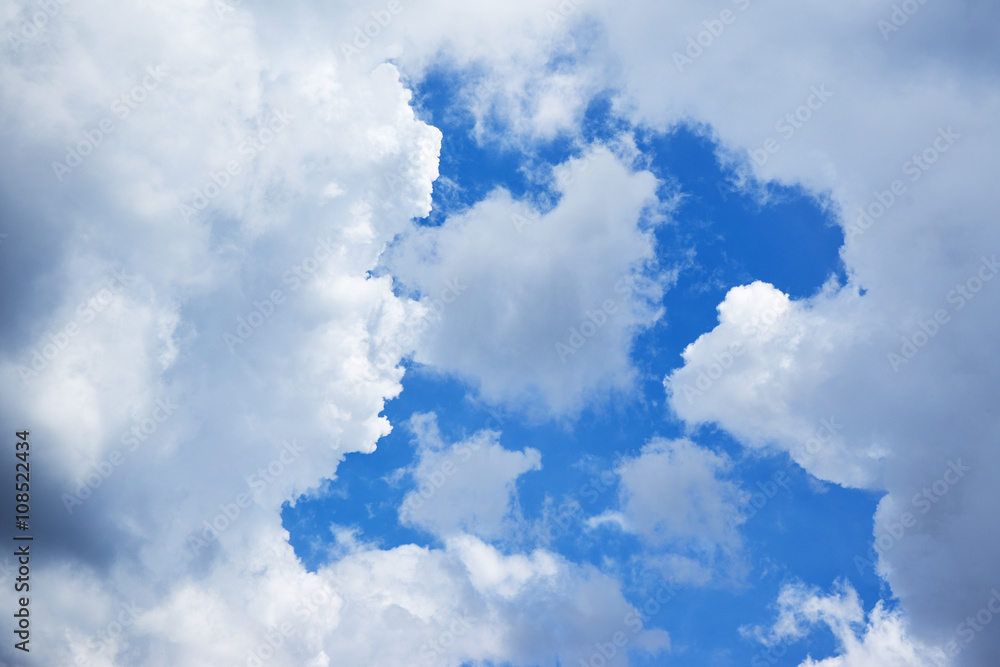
468, 169
788, 241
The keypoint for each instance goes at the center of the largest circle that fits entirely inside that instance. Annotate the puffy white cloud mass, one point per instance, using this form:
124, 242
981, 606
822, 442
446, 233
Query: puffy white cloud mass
198, 196
541, 306
880, 640
676, 497
465, 487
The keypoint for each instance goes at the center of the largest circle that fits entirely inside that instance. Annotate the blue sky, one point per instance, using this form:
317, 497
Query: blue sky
789, 242
539, 335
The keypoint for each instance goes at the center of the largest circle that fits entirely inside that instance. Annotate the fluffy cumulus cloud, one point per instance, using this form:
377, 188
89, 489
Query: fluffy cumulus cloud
541, 306
197, 208
882, 390
465, 487
881, 639
198, 199
408, 605
202, 213
881, 383
676, 497
761, 335
470, 602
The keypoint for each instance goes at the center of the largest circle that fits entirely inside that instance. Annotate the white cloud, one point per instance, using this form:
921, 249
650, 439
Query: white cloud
464, 487
673, 491
881, 640
676, 497
469, 602
750, 366
268, 391
321, 368
817, 383
408, 605
916, 110
549, 302
255, 422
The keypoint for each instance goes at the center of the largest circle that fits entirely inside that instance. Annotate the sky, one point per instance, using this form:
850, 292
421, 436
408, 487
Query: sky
422, 333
